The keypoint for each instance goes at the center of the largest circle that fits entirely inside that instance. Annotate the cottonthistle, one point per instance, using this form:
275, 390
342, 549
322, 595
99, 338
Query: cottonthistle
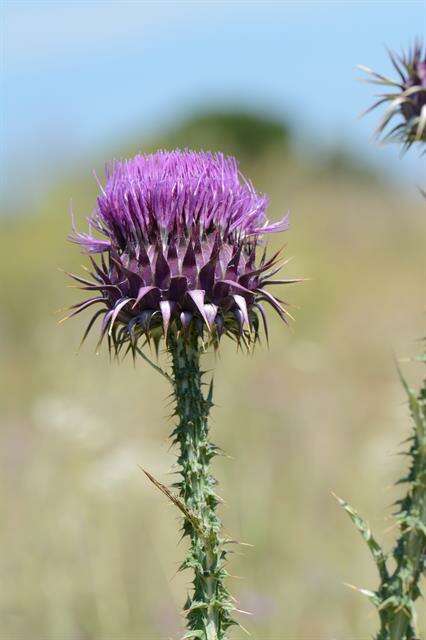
400, 572
180, 262
180, 233
408, 99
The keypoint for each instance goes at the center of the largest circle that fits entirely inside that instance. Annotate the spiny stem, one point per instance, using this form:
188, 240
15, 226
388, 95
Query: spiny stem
399, 589
410, 551
209, 606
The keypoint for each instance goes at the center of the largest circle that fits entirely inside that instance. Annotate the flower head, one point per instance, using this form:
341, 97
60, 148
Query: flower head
408, 99
178, 235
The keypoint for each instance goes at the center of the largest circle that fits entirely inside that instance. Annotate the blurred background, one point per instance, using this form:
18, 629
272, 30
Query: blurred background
89, 550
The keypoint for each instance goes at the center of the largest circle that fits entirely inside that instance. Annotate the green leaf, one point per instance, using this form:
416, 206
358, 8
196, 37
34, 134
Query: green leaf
375, 548
415, 409
197, 605
371, 595
154, 366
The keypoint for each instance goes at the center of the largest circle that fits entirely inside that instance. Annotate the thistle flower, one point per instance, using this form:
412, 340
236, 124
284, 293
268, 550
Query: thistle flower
408, 100
180, 233
400, 575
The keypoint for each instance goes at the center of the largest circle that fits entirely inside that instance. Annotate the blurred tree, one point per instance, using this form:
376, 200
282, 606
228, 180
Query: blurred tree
246, 135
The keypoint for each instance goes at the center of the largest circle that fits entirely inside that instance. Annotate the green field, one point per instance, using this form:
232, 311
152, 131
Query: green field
89, 549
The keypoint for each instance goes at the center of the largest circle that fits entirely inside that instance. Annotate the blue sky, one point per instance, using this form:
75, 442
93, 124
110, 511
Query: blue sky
79, 75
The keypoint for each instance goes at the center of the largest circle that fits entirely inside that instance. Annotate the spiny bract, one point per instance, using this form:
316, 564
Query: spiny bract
409, 98
179, 242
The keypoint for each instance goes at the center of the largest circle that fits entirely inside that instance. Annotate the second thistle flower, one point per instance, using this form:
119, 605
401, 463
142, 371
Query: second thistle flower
408, 97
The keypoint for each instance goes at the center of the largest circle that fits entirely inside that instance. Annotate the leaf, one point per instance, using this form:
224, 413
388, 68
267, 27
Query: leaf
209, 399
419, 420
178, 502
197, 605
153, 365
193, 634
371, 595
376, 550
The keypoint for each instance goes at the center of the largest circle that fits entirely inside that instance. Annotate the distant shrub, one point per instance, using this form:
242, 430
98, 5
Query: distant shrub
241, 133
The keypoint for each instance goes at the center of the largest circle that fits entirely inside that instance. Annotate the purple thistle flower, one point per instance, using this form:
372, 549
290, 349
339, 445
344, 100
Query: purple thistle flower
409, 99
180, 234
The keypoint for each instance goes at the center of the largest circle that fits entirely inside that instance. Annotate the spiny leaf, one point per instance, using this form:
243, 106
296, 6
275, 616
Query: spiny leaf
375, 548
414, 404
371, 595
197, 605
195, 521
153, 365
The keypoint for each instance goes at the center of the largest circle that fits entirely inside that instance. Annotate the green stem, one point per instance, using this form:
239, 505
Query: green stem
209, 605
398, 591
411, 548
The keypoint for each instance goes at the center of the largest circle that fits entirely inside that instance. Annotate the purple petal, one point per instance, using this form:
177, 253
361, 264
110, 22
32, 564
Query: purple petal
274, 227
89, 243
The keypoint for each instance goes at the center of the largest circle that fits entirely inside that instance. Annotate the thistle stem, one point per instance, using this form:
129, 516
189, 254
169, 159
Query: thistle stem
209, 605
410, 552
398, 591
